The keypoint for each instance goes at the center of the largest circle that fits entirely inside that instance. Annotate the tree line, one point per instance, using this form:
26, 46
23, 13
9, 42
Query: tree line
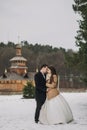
65, 61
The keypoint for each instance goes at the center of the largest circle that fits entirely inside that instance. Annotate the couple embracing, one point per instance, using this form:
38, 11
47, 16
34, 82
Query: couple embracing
51, 107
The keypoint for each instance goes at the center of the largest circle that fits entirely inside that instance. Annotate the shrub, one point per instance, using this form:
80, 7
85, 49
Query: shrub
28, 90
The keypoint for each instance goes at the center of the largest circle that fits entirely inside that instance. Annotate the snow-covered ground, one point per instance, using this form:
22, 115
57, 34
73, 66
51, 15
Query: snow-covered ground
17, 113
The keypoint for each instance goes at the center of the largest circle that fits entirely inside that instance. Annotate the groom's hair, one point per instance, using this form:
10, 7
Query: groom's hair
44, 65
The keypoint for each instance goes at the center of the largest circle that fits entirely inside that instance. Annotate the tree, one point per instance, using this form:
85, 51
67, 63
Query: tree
10, 44
28, 90
80, 7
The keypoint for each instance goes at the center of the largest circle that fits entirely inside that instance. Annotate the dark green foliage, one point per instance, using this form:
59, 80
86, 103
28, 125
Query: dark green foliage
80, 7
39, 54
28, 90
35, 54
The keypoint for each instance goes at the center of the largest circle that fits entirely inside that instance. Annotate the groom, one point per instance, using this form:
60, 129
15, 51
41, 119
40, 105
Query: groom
40, 89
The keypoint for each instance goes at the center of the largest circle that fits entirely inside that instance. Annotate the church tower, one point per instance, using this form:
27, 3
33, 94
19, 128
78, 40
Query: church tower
18, 63
18, 50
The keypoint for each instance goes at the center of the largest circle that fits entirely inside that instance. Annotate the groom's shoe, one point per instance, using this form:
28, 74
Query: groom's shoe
36, 121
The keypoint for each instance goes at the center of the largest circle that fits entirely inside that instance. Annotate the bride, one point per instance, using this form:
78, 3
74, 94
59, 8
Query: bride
55, 110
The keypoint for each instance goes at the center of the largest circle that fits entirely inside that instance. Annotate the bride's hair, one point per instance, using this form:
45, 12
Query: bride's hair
53, 72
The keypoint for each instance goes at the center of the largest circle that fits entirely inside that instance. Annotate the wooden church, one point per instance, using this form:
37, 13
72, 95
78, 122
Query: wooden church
14, 80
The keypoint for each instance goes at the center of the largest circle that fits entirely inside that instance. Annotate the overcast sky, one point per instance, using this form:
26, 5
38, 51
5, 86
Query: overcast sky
50, 22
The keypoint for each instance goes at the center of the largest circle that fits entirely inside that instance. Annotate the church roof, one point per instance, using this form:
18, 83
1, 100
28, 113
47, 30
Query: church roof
20, 67
15, 76
16, 58
18, 45
10, 76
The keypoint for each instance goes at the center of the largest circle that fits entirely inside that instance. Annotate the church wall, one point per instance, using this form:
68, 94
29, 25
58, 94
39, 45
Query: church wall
12, 85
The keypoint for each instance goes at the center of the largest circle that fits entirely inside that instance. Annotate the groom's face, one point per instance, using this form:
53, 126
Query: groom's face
45, 69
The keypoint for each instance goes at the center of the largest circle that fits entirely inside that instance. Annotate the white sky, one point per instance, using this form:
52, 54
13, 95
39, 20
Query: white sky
50, 22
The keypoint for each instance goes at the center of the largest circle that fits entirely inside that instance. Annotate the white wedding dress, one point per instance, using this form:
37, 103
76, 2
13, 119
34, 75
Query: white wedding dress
55, 111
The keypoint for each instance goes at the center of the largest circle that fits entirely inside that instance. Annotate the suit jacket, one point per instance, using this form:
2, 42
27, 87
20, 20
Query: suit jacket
40, 87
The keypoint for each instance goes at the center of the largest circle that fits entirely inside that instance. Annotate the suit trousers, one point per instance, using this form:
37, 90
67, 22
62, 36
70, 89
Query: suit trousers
38, 108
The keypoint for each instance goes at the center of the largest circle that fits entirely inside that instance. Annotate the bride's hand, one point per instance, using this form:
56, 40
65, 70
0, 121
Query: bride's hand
48, 89
48, 81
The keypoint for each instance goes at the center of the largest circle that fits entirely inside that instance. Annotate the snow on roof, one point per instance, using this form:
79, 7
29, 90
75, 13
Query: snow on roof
20, 58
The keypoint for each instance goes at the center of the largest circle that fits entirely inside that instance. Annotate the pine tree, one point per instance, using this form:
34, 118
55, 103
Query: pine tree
28, 90
80, 7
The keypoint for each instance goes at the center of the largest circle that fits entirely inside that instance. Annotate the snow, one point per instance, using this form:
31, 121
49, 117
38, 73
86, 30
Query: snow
17, 113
